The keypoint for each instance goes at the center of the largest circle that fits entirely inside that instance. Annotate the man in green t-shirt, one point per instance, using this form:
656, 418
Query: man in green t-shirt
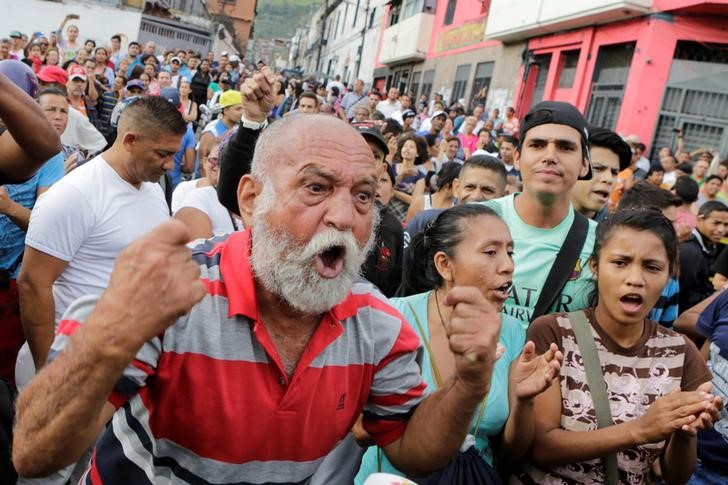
551, 155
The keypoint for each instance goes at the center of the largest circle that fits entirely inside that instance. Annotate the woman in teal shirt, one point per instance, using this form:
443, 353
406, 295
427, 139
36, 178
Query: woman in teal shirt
469, 245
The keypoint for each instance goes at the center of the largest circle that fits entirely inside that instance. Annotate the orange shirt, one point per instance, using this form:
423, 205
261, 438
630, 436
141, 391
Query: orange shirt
622, 178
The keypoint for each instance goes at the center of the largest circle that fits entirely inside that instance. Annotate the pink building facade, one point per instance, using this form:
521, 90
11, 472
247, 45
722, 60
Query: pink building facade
648, 75
440, 46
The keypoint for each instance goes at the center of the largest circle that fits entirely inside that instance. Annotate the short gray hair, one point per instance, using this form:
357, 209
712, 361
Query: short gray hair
268, 143
275, 136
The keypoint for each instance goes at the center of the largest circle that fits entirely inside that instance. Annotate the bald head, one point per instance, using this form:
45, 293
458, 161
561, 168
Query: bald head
293, 139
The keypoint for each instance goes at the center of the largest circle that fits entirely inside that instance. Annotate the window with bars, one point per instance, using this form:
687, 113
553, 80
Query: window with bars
610, 77
698, 105
462, 73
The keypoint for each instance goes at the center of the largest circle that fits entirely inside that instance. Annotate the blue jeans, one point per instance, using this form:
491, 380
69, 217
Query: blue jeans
705, 476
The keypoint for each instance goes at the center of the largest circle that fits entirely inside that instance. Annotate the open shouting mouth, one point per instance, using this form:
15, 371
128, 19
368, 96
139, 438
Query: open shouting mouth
631, 303
330, 262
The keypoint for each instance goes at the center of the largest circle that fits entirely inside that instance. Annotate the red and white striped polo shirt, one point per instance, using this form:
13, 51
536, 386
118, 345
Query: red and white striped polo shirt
208, 400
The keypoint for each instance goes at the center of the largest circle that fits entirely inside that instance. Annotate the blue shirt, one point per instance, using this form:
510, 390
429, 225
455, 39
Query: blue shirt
713, 323
185, 72
188, 141
512, 336
12, 237
665, 310
137, 62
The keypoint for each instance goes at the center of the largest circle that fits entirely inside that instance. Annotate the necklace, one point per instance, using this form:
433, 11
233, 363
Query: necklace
442, 320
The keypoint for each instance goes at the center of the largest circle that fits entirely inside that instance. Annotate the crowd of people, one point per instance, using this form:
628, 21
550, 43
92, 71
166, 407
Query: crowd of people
212, 272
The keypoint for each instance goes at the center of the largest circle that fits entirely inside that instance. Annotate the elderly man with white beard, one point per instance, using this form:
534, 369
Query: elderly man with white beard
249, 358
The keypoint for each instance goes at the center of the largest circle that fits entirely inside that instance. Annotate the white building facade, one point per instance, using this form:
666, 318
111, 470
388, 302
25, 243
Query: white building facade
342, 39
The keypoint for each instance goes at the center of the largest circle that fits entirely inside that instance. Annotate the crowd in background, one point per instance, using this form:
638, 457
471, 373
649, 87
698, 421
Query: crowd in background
466, 195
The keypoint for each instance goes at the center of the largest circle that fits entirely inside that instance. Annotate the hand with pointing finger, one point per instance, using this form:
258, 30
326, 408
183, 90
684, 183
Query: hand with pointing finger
154, 282
257, 91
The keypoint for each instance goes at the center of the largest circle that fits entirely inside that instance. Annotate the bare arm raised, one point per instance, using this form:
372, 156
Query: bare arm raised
63, 409
29, 141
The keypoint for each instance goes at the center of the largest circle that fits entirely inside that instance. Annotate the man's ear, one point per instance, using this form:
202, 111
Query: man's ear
128, 139
517, 159
456, 188
248, 190
585, 167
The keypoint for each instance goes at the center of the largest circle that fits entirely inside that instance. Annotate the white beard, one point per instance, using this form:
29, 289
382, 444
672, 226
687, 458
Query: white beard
285, 267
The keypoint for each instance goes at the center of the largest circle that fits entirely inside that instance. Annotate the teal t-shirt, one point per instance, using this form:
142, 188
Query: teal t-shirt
495, 414
535, 250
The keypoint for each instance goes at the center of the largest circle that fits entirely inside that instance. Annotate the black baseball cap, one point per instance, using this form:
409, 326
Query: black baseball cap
372, 133
559, 113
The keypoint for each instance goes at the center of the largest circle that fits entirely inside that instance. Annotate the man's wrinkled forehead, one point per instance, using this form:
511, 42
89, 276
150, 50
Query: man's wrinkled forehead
327, 148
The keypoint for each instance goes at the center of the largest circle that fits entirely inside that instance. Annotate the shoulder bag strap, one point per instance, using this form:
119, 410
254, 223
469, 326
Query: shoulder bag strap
597, 387
435, 370
426, 341
563, 265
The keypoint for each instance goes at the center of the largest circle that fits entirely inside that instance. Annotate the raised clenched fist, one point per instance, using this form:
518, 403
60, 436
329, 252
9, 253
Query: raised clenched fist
258, 94
473, 336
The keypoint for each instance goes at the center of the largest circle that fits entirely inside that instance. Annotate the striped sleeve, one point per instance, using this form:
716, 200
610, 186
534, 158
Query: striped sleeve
397, 388
136, 373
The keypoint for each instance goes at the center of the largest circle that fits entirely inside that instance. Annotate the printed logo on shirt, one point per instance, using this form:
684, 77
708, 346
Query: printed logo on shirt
576, 272
521, 301
342, 402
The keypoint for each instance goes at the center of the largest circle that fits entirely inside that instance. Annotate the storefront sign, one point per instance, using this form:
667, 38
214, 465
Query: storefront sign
467, 34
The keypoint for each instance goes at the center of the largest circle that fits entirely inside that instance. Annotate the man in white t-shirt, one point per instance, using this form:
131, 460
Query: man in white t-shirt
82, 223
336, 83
390, 105
201, 211
16, 51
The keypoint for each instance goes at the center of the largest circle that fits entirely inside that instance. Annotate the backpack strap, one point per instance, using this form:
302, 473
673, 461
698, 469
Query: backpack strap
597, 386
563, 265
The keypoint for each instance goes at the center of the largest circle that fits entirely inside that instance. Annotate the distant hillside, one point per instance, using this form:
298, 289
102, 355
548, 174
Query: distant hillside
279, 18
